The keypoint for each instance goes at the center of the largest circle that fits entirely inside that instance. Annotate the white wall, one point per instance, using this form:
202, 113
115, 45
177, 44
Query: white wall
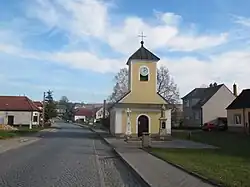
99, 113
216, 105
118, 121
20, 117
80, 118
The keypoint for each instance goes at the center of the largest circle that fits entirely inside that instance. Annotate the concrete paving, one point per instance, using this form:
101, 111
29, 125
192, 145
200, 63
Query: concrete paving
70, 157
175, 143
155, 172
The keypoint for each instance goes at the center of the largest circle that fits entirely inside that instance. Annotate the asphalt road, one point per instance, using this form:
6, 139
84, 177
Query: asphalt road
70, 157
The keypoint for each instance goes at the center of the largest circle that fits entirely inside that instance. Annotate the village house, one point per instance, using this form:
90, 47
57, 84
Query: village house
206, 105
18, 111
99, 112
238, 112
83, 114
39, 104
60, 110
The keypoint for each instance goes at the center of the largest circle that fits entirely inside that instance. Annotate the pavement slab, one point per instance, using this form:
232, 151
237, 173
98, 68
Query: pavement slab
154, 171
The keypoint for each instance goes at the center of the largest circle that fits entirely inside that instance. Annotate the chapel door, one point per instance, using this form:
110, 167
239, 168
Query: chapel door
143, 125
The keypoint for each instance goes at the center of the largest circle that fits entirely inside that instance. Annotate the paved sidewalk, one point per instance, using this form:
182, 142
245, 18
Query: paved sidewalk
152, 170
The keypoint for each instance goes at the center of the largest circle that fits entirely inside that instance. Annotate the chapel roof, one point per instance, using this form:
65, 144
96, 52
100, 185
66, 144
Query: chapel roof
143, 54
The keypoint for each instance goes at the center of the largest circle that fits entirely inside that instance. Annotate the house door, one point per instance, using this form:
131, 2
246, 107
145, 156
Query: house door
143, 123
10, 120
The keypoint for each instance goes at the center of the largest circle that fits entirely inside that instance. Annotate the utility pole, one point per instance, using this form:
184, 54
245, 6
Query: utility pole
104, 109
43, 110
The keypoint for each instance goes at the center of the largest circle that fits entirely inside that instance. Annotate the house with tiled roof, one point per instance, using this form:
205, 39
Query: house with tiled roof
81, 114
206, 105
238, 112
39, 104
18, 110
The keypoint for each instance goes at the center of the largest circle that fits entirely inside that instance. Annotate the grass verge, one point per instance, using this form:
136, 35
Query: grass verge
23, 131
229, 165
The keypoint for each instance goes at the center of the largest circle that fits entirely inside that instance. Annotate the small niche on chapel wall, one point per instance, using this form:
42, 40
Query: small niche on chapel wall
144, 73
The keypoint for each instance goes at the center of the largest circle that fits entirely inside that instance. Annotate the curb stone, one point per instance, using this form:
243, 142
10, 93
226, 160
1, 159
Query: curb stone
204, 179
143, 182
134, 172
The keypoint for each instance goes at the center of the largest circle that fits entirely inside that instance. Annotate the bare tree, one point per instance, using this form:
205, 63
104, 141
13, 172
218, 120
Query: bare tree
121, 85
165, 84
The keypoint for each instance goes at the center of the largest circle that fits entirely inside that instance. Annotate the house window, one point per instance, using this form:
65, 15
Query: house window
196, 115
186, 103
187, 117
237, 119
35, 118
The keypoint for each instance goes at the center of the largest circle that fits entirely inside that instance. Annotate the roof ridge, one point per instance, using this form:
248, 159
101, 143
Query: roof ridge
12, 96
31, 104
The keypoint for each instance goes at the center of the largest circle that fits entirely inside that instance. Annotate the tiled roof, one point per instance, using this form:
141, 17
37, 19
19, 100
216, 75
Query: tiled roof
242, 101
38, 103
197, 92
17, 103
113, 104
83, 112
143, 54
203, 94
207, 94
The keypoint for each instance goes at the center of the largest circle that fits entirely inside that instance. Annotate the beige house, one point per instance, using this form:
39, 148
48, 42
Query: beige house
18, 110
206, 105
238, 112
142, 105
99, 113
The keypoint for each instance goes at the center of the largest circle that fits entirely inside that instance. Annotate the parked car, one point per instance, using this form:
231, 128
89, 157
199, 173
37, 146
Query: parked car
213, 127
208, 127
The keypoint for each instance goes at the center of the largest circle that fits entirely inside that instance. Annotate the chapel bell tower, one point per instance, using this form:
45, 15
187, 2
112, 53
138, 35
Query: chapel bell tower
143, 71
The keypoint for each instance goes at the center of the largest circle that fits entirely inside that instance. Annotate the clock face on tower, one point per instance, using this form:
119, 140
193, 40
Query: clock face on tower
144, 70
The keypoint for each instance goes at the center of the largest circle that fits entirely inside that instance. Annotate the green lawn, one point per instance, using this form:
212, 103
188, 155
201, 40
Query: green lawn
229, 165
20, 132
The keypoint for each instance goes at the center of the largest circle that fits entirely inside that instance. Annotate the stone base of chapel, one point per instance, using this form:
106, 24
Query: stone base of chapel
155, 137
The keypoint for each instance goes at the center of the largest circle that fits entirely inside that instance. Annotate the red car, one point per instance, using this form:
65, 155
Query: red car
208, 127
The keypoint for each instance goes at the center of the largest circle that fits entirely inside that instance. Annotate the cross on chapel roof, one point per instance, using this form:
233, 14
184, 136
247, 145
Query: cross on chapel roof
142, 53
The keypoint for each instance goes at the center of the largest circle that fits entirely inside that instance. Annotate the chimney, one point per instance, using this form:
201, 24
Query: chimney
235, 90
